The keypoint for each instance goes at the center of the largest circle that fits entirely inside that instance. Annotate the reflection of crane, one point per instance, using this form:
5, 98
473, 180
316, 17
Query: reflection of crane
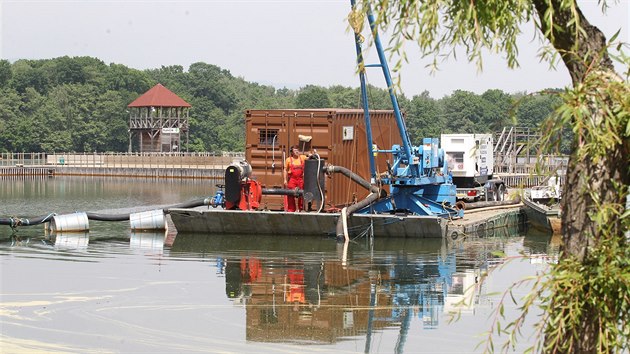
417, 287
418, 178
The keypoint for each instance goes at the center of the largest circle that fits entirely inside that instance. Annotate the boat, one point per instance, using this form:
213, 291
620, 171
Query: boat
542, 206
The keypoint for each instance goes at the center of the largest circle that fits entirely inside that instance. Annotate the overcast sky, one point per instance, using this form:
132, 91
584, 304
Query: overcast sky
288, 43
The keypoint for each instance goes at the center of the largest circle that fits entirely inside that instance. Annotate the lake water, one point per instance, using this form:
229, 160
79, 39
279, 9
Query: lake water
112, 290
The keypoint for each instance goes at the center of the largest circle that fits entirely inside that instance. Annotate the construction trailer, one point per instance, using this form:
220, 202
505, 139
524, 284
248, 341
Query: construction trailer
337, 135
470, 162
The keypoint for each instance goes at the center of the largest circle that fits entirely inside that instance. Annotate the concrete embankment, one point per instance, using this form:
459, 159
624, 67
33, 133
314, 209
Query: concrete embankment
167, 172
161, 165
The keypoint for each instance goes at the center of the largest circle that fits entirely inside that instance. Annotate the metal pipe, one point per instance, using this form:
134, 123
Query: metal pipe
283, 191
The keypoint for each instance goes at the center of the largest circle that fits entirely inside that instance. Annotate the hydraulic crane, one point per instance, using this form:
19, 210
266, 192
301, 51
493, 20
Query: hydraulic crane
418, 177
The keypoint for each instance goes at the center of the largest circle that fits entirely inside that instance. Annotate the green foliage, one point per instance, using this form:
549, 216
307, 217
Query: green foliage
344, 97
464, 112
497, 109
312, 97
425, 117
532, 110
80, 103
598, 288
28, 74
5, 73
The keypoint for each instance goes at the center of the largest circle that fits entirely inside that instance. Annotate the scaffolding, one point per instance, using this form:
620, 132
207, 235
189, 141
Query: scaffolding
514, 150
517, 153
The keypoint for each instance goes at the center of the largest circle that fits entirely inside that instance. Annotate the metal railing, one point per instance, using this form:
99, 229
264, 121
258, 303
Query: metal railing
198, 160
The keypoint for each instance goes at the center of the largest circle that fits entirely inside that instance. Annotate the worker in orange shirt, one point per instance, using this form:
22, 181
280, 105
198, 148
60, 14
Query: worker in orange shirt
294, 166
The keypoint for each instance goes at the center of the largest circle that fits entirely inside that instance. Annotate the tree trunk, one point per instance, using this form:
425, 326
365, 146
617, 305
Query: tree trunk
584, 175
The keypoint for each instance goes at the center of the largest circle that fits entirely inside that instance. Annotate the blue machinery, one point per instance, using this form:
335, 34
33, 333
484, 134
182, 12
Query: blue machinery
419, 179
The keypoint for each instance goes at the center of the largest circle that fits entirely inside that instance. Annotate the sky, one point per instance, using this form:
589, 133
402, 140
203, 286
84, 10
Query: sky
283, 43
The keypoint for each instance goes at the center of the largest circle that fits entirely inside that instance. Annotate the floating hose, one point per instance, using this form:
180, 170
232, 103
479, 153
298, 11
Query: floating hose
190, 204
15, 221
107, 217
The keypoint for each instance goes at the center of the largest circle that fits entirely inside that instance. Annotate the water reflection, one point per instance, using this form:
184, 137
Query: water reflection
149, 241
295, 296
70, 240
127, 291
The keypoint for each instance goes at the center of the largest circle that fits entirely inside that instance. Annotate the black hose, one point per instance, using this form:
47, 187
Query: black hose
13, 222
190, 204
353, 176
107, 217
374, 196
351, 209
123, 217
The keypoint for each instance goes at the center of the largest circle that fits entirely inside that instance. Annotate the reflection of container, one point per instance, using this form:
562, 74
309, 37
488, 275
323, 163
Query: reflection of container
152, 240
70, 222
148, 220
71, 241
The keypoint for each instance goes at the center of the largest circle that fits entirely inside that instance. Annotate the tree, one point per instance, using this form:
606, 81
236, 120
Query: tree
497, 110
5, 72
532, 110
211, 82
312, 97
464, 112
120, 77
344, 97
588, 302
424, 117
25, 74
10, 116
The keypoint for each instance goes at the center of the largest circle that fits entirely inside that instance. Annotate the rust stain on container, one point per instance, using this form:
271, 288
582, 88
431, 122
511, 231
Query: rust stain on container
338, 135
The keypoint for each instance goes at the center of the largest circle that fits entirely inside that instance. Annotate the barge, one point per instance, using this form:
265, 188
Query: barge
486, 222
406, 190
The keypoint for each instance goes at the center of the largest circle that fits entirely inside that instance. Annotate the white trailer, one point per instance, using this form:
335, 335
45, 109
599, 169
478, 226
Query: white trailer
471, 162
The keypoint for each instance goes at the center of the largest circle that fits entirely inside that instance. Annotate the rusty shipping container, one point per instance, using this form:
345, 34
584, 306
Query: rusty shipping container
338, 135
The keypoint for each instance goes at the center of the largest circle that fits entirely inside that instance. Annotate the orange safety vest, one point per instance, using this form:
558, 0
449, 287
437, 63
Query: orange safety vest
297, 170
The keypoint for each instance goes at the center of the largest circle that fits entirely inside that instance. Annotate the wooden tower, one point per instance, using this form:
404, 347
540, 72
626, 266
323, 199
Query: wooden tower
158, 120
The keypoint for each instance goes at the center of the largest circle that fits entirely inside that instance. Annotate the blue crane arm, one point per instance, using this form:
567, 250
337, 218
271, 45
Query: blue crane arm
406, 152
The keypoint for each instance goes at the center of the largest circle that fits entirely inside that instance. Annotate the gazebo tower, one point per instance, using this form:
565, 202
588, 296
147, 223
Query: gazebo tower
158, 119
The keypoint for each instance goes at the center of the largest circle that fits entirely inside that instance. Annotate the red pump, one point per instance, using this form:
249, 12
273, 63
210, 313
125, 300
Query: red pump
251, 195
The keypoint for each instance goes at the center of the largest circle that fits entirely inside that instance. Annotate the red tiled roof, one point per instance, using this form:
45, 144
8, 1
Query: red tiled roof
159, 96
